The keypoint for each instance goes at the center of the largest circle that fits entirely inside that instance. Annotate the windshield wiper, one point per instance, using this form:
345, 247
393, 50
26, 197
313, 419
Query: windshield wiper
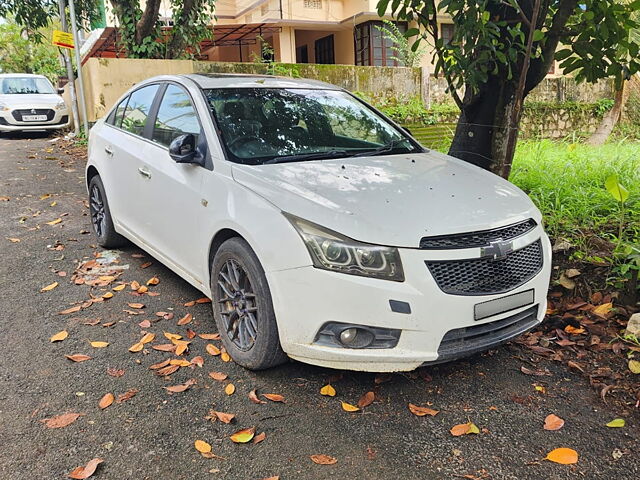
381, 150
308, 156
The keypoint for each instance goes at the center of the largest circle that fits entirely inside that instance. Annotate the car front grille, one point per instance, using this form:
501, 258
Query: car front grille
468, 340
17, 114
483, 276
477, 239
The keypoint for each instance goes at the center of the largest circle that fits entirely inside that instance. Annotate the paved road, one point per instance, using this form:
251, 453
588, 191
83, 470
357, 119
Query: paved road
151, 435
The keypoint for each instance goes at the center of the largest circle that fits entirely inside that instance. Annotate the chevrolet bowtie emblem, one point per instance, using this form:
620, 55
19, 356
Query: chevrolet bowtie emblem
497, 250
33, 110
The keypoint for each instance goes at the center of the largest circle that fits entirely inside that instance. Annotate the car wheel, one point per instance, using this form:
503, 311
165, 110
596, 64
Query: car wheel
242, 307
101, 220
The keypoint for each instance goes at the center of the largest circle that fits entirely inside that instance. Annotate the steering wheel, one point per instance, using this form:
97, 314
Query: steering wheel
246, 138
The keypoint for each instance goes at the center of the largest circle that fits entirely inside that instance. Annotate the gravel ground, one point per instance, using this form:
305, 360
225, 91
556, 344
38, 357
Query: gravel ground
151, 436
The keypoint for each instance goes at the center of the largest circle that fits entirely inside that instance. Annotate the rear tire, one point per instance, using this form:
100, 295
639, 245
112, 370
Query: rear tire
242, 307
101, 220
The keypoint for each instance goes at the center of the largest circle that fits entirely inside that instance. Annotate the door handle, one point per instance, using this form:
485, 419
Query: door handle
144, 172
108, 150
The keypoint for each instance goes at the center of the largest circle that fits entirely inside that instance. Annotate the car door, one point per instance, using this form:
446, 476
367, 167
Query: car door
170, 195
122, 145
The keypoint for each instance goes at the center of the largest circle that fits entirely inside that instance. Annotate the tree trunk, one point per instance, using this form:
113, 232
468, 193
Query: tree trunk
610, 119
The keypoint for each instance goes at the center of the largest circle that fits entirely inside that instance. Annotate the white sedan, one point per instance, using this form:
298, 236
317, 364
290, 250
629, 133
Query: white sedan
29, 102
321, 230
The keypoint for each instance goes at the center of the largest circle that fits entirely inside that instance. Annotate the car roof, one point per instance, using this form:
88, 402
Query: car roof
21, 75
238, 80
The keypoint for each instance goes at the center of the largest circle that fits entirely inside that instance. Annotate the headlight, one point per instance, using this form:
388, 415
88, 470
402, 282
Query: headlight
331, 251
60, 106
4, 107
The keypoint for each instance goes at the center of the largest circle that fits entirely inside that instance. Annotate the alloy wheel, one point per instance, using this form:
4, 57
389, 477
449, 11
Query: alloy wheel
98, 214
237, 305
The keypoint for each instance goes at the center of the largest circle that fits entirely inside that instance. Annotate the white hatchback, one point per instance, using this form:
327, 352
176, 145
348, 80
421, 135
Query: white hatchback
321, 230
29, 102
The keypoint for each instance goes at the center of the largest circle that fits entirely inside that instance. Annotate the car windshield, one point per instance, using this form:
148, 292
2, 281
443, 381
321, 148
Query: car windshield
274, 125
25, 85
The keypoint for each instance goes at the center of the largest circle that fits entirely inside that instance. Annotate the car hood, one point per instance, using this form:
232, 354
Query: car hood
390, 200
44, 100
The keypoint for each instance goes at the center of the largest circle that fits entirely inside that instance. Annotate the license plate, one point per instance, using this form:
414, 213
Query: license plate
34, 118
503, 304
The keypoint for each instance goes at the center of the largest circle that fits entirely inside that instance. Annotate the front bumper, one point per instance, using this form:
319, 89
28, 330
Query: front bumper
8, 122
306, 298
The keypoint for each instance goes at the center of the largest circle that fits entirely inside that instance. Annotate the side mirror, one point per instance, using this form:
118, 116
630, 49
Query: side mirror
60, 91
183, 149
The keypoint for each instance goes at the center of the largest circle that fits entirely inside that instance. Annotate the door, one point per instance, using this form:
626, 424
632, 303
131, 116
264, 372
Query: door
170, 197
122, 146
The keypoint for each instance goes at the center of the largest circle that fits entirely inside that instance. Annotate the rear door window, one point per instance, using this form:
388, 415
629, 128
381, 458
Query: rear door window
176, 116
119, 113
137, 109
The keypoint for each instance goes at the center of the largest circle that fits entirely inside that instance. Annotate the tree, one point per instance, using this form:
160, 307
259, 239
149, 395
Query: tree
142, 35
19, 55
502, 49
34, 15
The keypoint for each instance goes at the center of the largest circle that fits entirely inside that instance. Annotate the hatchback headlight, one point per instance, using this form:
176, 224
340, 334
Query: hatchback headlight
60, 106
4, 107
332, 251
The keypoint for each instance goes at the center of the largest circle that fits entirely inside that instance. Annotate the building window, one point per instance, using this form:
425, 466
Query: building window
324, 50
302, 54
446, 33
316, 4
372, 47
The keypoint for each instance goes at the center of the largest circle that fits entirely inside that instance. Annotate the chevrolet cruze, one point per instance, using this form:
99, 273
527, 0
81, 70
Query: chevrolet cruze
321, 230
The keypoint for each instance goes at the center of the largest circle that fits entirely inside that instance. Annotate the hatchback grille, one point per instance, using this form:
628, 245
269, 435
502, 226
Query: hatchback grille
468, 340
477, 239
17, 114
483, 276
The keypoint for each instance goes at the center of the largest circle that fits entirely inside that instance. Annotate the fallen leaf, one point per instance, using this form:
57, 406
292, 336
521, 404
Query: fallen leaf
223, 417
164, 347
115, 372
107, 295
634, 366
347, 407
99, 344
185, 320
70, 310
127, 395
218, 376
198, 361
81, 473
78, 357
212, 349
203, 300
49, 287
54, 222
190, 304
602, 310
135, 285
464, 429
120, 287
153, 281
180, 388
382, 378
58, 337
13, 239
243, 436
254, 398
328, 391
172, 336
142, 289
566, 282
61, 421
144, 324
616, 423
574, 330
181, 362
321, 459
230, 389
553, 422
146, 264
366, 399
537, 373
136, 347
156, 366
168, 370
258, 438
202, 446
209, 336
106, 400
181, 346
274, 397
422, 411
190, 334
224, 356
565, 456
136, 305
149, 337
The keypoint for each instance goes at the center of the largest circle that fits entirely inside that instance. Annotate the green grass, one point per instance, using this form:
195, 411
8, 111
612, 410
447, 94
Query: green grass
566, 181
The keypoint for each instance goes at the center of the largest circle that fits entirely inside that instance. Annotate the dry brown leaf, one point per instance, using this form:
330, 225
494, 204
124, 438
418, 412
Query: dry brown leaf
422, 411
168, 370
172, 336
58, 337
149, 337
61, 421
243, 436
107, 295
180, 388
181, 362
190, 334
181, 346
158, 365
219, 376
115, 372
153, 281
127, 395
209, 336
144, 324
190, 304
202, 446
78, 357
54, 222
146, 265
120, 287
198, 361
564, 456
602, 310
230, 389
136, 347
70, 310
106, 400
203, 300
464, 429
143, 289
366, 399
136, 305
347, 407
322, 459
223, 417
135, 285
13, 240
82, 473
49, 287
224, 356
274, 397
254, 397
212, 349
185, 320
164, 347
259, 438
382, 378
328, 391
99, 344
553, 422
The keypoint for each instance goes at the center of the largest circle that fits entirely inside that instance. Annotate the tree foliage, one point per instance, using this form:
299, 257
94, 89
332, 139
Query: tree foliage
404, 54
142, 35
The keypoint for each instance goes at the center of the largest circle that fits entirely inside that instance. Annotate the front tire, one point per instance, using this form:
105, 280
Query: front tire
101, 220
242, 307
